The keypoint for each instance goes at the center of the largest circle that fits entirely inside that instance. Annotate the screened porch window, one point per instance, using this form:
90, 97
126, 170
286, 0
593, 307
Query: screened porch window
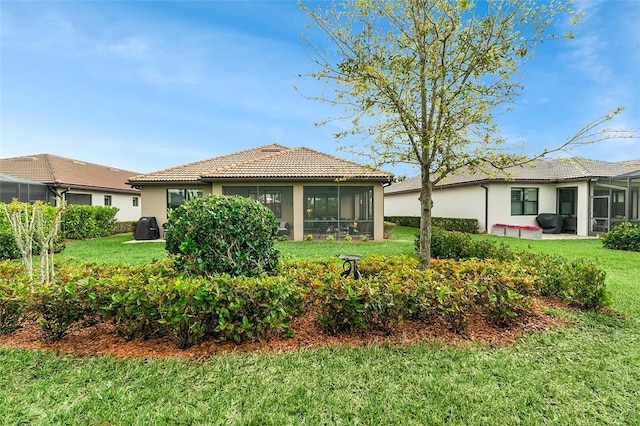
338, 210
78, 199
270, 198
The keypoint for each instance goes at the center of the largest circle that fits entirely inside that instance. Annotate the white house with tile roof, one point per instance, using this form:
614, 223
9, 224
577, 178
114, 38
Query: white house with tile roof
309, 192
78, 182
591, 195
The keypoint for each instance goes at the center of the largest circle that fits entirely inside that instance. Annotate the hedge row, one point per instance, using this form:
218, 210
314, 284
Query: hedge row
579, 282
447, 223
82, 222
152, 301
155, 300
394, 289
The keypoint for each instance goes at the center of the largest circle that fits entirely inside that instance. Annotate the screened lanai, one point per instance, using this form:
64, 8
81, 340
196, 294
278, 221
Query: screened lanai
614, 200
21, 189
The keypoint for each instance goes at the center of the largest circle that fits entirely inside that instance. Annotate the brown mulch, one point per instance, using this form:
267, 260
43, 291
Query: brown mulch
101, 339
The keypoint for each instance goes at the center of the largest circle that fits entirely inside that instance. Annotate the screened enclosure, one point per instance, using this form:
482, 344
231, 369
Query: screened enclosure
614, 200
338, 211
22, 190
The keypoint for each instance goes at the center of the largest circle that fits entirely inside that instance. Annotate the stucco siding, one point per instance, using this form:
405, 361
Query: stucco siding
469, 202
154, 203
466, 202
124, 202
126, 210
406, 204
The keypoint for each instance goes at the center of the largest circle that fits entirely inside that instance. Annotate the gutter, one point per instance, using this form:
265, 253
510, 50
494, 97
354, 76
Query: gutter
55, 192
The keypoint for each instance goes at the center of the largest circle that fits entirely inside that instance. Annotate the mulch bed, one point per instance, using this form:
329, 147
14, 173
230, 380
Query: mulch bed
101, 339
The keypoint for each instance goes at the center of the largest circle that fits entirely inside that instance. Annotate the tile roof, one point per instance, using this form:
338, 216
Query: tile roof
268, 162
66, 172
556, 170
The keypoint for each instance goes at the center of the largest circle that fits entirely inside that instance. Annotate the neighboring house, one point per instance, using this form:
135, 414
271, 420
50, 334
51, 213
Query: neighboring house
308, 191
592, 195
78, 182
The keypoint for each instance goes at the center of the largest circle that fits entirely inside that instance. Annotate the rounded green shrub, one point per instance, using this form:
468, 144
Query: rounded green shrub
625, 236
222, 234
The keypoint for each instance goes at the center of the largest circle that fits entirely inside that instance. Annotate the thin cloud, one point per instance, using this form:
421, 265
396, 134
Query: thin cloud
131, 48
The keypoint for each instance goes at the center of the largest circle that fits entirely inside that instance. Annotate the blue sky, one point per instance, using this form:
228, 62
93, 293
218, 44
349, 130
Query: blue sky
145, 85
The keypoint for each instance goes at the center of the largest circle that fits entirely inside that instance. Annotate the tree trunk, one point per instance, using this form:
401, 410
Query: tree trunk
426, 204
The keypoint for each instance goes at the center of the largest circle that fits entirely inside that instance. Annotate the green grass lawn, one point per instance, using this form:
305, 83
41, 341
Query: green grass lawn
587, 374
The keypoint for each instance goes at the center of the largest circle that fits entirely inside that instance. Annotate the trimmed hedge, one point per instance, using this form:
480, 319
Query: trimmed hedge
149, 301
459, 245
410, 221
81, 222
625, 236
579, 282
470, 226
157, 300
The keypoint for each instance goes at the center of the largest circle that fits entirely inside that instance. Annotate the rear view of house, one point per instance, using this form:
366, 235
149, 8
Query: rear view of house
311, 193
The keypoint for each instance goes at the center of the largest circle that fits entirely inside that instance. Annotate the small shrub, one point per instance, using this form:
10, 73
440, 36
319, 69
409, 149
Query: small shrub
186, 310
220, 234
308, 237
128, 298
330, 238
625, 236
387, 228
588, 289
256, 307
57, 305
348, 238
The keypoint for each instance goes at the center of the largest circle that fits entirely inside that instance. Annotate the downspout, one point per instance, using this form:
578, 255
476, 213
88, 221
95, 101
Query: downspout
54, 191
486, 207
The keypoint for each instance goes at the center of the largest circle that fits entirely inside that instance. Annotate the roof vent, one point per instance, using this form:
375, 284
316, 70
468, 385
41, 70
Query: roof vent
79, 162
